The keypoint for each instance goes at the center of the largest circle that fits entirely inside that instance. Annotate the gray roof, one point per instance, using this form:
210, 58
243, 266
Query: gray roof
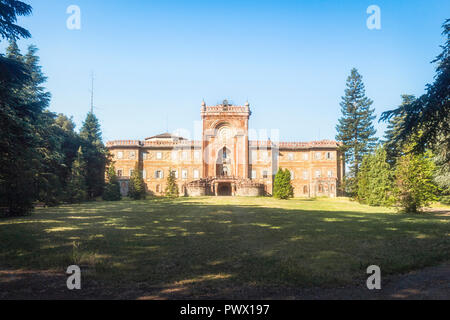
165, 135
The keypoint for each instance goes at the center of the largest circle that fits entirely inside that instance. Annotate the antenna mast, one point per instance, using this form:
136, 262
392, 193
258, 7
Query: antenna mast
92, 92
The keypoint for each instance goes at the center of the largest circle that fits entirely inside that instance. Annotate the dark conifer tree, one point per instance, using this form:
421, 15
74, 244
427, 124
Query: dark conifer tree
391, 144
76, 190
427, 118
355, 129
95, 155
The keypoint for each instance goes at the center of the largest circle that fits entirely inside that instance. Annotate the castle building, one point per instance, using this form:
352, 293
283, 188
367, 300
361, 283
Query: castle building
226, 162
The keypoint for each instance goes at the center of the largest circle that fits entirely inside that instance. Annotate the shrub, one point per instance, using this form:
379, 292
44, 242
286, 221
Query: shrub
282, 188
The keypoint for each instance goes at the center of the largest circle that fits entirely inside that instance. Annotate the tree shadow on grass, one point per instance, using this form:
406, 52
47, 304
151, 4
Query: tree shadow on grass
187, 249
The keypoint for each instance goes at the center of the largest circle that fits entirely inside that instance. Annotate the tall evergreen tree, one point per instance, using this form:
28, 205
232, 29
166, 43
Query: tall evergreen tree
355, 129
171, 187
428, 117
10, 69
21, 107
95, 155
77, 187
136, 188
391, 144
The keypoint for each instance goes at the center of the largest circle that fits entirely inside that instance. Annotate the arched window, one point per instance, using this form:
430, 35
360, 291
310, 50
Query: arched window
320, 188
305, 189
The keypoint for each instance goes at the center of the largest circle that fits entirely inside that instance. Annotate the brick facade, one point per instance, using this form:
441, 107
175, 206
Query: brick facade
225, 162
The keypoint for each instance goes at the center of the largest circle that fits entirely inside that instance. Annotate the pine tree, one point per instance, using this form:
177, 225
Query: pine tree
393, 148
9, 10
172, 187
20, 109
77, 182
375, 179
282, 188
95, 155
112, 187
355, 129
17, 144
136, 188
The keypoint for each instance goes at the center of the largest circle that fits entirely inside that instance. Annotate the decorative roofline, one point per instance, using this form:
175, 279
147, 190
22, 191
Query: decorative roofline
197, 143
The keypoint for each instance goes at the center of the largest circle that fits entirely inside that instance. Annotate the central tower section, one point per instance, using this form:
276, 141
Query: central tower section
225, 140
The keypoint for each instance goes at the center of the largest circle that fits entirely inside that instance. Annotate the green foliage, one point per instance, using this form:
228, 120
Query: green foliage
442, 173
22, 102
112, 187
38, 149
445, 200
76, 189
355, 129
136, 188
95, 155
428, 117
9, 10
414, 185
375, 179
393, 148
282, 188
171, 187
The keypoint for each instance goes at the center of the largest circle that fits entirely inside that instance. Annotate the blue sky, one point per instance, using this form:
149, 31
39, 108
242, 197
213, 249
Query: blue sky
154, 61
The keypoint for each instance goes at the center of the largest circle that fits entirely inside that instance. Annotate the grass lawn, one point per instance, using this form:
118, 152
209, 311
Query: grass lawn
209, 245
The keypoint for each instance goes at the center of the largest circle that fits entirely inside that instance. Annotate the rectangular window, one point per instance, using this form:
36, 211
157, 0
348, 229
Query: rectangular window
305, 175
144, 155
318, 155
119, 173
131, 172
144, 174
317, 173
265, 156
184, 155
175, 173
253, 174
174, 155
330, 173
290, 156
159, 174
265, 174
197, 155
119, 155
196, 174
184, 174
305, 156
292, 174
132, 155
159, 155
329, 155
254, 156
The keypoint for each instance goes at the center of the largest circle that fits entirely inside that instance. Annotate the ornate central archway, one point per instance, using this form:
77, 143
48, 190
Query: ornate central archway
224, 164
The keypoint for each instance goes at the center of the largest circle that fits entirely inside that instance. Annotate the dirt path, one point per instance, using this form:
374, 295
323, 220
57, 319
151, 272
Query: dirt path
429, 283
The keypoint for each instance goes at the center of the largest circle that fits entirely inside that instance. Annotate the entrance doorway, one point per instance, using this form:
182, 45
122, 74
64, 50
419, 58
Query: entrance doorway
224, 189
